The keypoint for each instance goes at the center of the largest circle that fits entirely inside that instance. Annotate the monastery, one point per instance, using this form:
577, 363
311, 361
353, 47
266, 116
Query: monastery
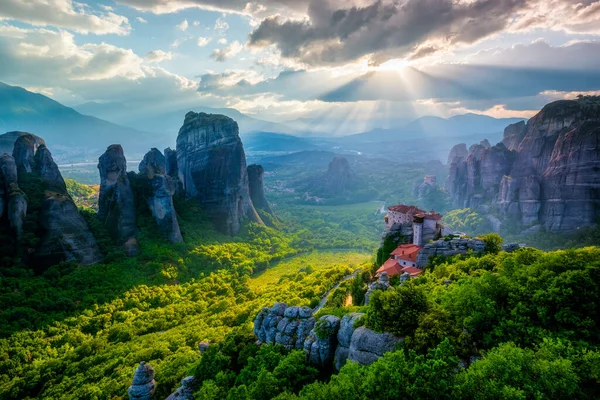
426, 226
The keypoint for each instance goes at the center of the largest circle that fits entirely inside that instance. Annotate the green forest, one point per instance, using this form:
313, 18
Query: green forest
522, 325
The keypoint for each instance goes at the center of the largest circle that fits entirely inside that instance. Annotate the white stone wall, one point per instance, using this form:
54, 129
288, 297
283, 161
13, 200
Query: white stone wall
418, 234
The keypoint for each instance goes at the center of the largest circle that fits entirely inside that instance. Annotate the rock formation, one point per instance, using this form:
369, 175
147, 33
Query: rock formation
382, 283
13, 202
424, 189
514, 134
448, 248
339, 177
367, 346
143, 384
171, 163
327, 343
287, 326
116, 208
543, 173
62, 233
321, 343
458, 153
212, 169
344, 337
257, 188
185, 391
160, 199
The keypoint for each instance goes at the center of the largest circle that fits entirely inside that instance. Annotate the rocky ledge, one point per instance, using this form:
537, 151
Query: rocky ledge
328, 342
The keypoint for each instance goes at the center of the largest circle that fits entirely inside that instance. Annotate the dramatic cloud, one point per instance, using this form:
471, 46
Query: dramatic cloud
157, 56
62, 13
228, 6
227, 52
90, 71
338, 33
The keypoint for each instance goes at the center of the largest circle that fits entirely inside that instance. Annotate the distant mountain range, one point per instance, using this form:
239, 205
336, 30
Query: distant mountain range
68, 133
169, 122
82, 134
437, 127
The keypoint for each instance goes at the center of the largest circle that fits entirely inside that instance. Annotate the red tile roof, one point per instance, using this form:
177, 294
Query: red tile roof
406, 209
413, 271
391, 267
430, 215
407, 252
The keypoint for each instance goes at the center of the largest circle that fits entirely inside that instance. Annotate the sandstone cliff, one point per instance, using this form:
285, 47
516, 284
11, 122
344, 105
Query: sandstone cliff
256, 183
61, 233
212, 169
116, 208
160, 196
543, 173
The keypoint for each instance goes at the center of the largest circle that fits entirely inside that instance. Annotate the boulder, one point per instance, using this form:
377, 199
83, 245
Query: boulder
339, 177
458, 153
171, 163
185, 391
116, 208
382, 283
321, 343
287, 326
212, 169
367, 346
143, 385
344, 337
7, 141
514, 134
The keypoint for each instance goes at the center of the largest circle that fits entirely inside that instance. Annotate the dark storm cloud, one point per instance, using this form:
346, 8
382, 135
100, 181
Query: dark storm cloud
383, 29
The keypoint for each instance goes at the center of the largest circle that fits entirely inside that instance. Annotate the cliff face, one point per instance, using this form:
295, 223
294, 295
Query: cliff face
116, 208
256, 183
544, 172
62, 233
212, 169
160, 199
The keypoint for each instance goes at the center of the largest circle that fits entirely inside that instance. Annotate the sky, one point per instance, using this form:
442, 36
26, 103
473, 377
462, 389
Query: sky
305, 60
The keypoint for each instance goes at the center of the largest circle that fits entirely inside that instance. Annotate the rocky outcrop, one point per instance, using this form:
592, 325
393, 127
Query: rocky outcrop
62, 233
116, 208
257, 188
344, 337
212, 169
458, 153
185, 391
339, 177
367, 346
66, 235
330, 342
13, 201
448, 248
143, 385
160, 197
514, 134
171, 163
382, 283
287, 326
321, 343
424, 189
543, 173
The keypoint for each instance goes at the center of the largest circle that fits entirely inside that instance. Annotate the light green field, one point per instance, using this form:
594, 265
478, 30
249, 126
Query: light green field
317, 261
